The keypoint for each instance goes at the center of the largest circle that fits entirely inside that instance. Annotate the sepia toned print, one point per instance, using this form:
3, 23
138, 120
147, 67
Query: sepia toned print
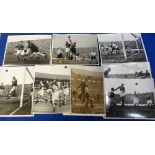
87, 90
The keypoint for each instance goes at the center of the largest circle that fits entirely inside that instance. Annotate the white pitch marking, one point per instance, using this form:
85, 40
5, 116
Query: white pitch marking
17, 109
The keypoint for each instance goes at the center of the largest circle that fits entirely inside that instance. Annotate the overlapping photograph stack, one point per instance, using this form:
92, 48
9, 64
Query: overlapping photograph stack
105, 75
129, 87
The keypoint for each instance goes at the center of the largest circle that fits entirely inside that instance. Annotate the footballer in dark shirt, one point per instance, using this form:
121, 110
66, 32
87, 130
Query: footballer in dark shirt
1, 89
34, 50
14, 87
83, 86
147, 74
106, 73
122, 93
73, 48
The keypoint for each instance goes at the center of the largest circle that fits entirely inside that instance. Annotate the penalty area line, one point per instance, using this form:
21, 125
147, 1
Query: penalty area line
17, 109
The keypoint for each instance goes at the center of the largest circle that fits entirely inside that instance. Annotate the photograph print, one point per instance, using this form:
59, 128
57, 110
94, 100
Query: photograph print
128, 71
134, 47
87, 90
16, 90
130, 98
111, 48
28, 50
121, 48
75, 49
51, 89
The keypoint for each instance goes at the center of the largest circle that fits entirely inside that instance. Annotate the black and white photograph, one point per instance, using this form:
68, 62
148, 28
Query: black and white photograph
16, 90
28, 50
75, 49
87, 90
111, 48
51, 89
134, 47
130, 98
128, 71
121, 48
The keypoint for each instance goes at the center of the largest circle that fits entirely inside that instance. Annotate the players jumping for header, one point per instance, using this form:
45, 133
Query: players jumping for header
82, 93
55, 92
70, 50
71, 53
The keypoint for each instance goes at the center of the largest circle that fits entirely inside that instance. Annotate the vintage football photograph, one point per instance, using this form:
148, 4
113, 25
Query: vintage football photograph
28, 50
134, 47
121, 48
75, 49
111, 48
130, 98
87, 89
16, 90
128, 71
51, 89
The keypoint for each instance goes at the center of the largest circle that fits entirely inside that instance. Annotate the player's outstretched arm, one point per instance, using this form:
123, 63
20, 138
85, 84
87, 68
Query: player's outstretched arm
70, 39
117, 88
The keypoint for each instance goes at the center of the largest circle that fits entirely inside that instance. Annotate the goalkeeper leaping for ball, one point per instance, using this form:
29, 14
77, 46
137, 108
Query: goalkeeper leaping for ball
73, 53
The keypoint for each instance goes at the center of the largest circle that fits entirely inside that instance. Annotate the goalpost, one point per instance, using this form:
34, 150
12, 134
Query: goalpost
123, 45
22, 90
27, 79
136, 40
